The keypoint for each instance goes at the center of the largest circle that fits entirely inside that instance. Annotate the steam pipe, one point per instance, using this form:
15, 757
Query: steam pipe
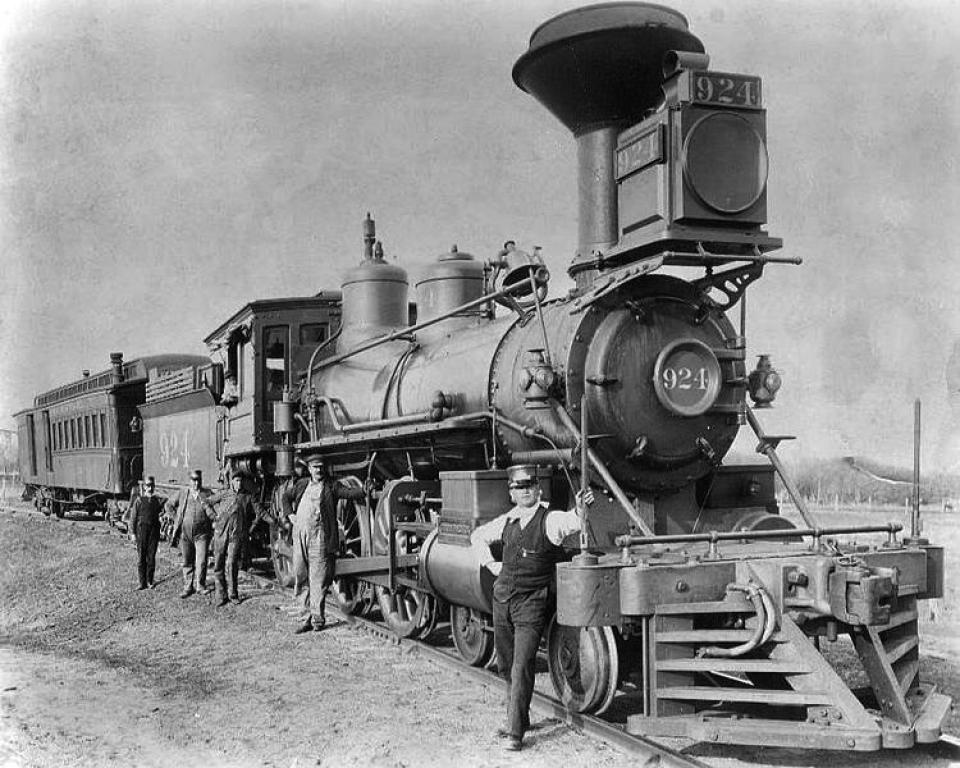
316, 352
755, 596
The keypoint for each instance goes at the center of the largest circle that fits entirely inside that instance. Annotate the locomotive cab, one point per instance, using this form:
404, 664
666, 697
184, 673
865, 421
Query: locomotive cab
264, 348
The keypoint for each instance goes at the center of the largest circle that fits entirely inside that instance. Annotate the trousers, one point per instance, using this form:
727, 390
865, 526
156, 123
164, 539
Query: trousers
313, 569
226, 566
193, 551
147, 556
517, 626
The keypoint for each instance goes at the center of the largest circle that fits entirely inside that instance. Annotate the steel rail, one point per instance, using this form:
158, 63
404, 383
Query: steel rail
591, 726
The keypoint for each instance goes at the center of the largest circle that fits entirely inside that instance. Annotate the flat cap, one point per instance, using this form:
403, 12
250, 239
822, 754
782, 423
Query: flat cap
314, 458
520, 475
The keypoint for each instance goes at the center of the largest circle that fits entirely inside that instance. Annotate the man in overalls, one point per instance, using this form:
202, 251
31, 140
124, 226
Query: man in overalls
522, 594
316, 539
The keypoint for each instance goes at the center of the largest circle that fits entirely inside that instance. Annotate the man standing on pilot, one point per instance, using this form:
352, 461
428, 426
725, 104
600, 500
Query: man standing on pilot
523, 592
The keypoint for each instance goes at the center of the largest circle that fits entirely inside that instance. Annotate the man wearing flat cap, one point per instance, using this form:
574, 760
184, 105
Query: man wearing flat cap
193, 526
230, 529
316, 538
522, 603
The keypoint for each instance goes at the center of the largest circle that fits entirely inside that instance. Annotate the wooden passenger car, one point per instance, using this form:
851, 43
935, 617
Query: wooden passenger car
80, 445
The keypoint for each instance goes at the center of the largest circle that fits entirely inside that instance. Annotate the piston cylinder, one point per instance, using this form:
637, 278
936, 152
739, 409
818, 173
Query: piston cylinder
454, 573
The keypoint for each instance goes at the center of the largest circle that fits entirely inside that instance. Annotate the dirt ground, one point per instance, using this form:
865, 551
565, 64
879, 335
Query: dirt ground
94, 673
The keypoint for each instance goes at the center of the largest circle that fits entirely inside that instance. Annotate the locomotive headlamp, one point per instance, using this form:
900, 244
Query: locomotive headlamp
764, 382
536, 380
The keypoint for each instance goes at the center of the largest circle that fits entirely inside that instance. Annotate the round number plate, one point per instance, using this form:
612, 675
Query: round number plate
686, 377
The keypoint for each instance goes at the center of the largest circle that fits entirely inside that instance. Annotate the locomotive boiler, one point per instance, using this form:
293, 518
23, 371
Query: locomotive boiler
689, 597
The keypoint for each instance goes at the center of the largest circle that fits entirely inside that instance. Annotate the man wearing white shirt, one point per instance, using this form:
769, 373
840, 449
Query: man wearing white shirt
522, 604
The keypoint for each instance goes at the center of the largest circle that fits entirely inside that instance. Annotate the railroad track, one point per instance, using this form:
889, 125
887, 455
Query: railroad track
651, 753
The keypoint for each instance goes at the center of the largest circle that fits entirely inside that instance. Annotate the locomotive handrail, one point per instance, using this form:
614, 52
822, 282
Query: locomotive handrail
629, 540
603, 471
420, 326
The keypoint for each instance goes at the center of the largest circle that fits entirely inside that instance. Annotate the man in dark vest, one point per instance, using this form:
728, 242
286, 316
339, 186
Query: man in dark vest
316, 539
522, 594
192, 525
145, 527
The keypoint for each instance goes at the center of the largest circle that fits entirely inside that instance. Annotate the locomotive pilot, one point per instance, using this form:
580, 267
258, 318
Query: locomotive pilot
145, 528
193, 526
523, 592
316, 538
230, 528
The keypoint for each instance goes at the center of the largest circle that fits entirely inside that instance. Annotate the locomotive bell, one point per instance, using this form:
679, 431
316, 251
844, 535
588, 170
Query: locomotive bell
763, 382
513, 267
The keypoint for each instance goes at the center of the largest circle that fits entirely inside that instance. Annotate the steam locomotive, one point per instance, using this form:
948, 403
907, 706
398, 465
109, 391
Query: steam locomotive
689, 598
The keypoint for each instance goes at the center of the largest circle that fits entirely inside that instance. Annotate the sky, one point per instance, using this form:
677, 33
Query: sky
164, 162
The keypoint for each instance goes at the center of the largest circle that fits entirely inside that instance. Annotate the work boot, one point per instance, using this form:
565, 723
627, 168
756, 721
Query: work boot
514, 744
186, 593
223, 601
205, 590
307, 626
235, 599
142, 586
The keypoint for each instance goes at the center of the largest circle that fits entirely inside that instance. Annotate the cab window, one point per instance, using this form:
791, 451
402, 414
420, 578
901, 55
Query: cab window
312, 334
275, 364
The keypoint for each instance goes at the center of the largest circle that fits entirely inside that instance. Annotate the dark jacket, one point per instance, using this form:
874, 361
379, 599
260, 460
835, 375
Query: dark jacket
191, 515
291, 494
234, 513
321, 516
145, 515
